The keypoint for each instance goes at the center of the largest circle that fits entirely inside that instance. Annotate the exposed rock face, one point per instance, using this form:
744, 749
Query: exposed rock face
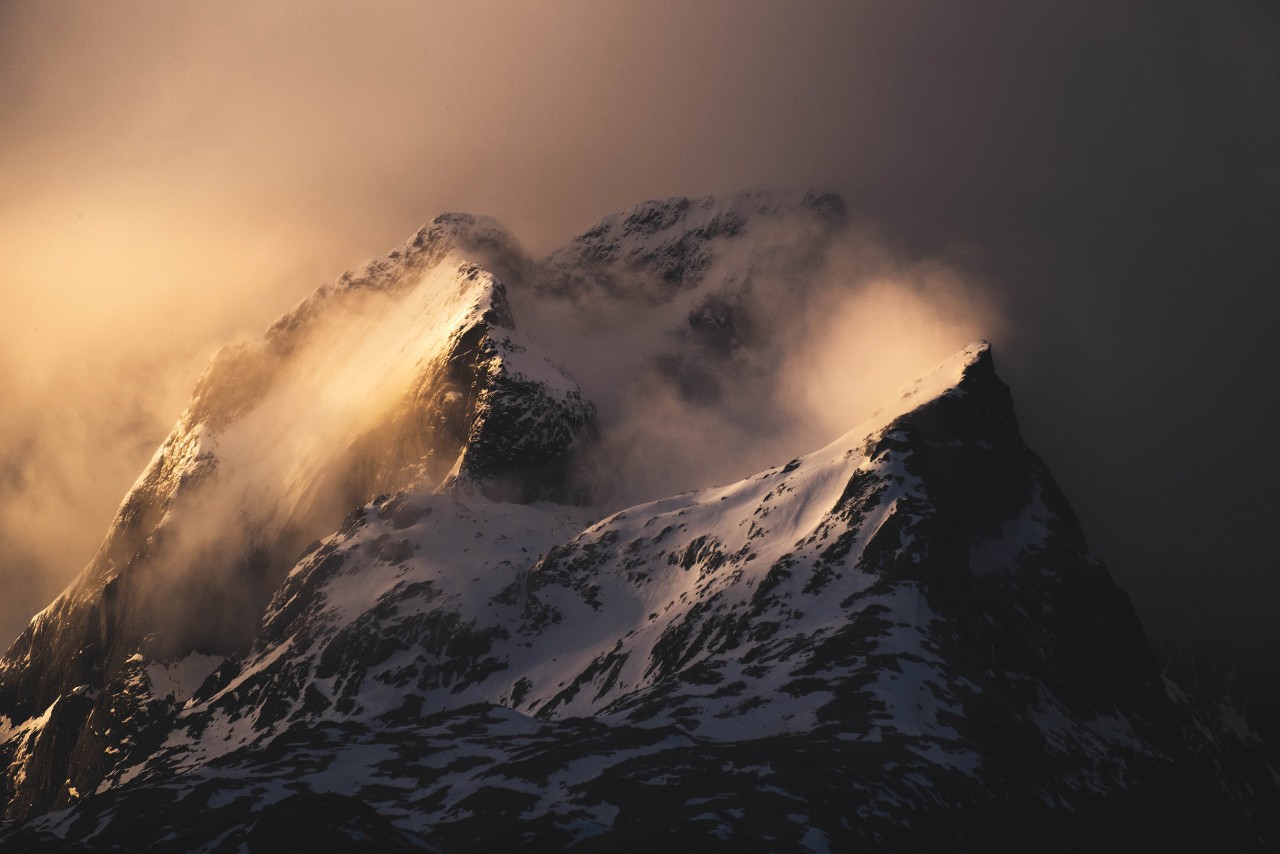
709, 254
897, 642
683, 240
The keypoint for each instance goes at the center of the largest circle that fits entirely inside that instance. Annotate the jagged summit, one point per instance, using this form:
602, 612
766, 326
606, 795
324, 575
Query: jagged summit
969, 369
659, 249
972, 364
639, 234
478, 240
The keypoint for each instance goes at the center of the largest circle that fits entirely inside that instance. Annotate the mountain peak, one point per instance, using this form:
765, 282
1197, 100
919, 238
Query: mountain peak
480, 238
969, 366
724, 215
968, 372
666, 246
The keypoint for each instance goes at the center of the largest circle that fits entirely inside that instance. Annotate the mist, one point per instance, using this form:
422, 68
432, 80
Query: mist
273, 451
1101, 180
828, 329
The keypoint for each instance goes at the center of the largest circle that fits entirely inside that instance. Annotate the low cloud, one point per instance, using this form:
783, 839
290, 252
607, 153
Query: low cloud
821, 349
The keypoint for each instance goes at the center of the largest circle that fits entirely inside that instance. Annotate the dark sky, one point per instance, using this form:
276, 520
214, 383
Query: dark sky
1124, 190
173, 175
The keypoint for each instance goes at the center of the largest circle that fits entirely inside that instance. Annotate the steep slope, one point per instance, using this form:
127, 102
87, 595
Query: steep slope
898, 642
406, 373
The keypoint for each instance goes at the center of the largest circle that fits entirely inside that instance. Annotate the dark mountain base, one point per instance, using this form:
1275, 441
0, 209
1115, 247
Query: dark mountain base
485, 779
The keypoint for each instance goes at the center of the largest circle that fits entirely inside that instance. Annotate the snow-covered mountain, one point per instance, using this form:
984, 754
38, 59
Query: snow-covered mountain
897, 642
408, 372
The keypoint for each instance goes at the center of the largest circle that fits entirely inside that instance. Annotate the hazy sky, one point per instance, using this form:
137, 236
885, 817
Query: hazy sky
175, 175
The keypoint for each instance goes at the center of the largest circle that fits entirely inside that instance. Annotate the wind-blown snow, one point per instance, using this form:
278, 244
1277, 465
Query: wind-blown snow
619, 615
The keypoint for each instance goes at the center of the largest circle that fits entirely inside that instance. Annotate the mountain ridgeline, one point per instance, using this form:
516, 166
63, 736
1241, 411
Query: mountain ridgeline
368, 594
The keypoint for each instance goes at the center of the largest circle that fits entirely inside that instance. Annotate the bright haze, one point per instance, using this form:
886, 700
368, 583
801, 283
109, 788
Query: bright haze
1103, 176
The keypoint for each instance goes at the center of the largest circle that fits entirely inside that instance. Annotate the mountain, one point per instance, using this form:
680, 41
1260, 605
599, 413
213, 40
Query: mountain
408, 372
897, 642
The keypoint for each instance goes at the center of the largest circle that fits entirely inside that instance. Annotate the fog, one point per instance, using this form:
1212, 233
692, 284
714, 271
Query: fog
276, 453
829, 328
1098, 182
